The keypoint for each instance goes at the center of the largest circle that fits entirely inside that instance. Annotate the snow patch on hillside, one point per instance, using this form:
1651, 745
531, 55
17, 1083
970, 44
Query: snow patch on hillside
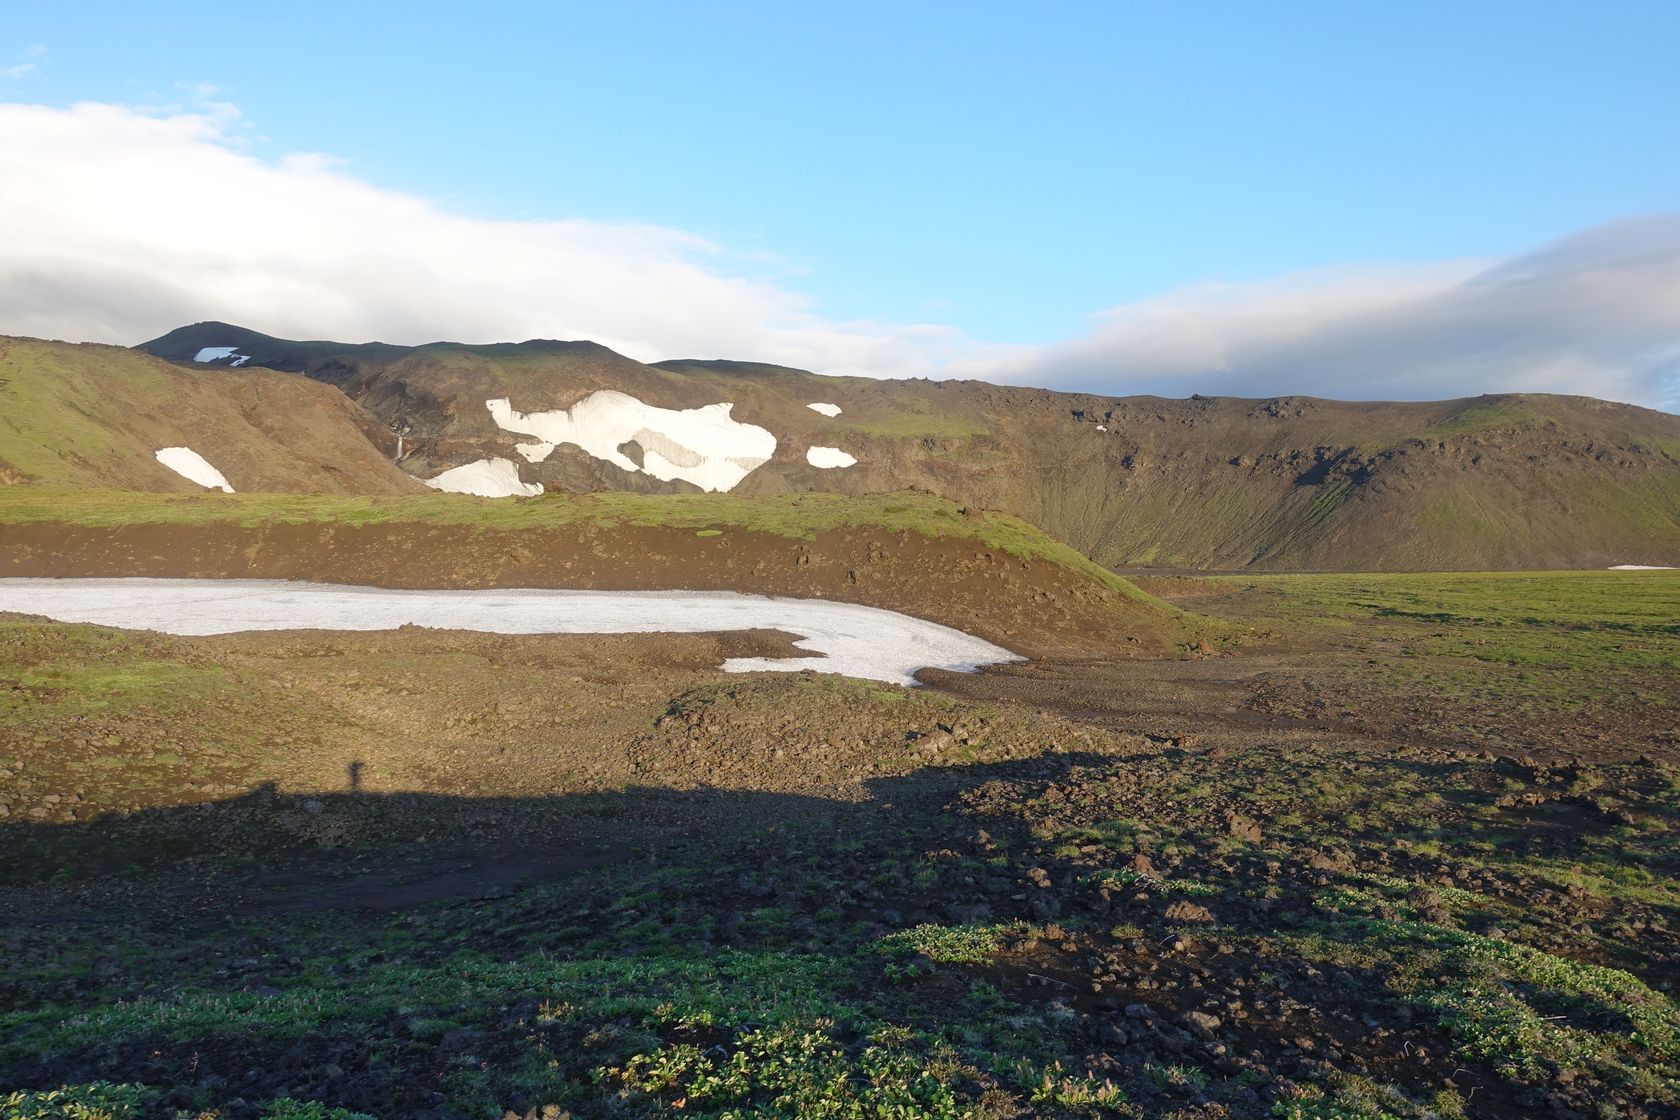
488, 478
828, 410
829, 457
1641, 567
217, 353
846, 638
704, 446
192, 466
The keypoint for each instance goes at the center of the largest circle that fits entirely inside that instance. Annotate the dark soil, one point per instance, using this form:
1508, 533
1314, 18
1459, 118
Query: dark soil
1221, 899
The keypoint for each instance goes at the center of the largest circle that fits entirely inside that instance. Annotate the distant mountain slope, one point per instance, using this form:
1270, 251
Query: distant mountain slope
1513, 481
97, 416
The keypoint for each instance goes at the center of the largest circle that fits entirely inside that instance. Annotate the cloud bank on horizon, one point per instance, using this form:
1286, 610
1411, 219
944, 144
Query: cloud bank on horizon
117, 224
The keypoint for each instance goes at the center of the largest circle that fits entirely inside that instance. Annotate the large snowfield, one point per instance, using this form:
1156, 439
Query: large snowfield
849, 639
705, 446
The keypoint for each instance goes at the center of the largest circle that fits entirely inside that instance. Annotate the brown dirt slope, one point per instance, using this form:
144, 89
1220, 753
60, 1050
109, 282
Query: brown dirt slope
1031, 606
94, 416
1514, 481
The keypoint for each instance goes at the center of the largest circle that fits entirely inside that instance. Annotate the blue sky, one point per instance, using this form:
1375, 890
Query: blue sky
1007, 171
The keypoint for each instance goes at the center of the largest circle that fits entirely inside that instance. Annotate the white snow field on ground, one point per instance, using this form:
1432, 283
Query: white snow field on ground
488, 478
829, 457
191, 466
217, 353
704, 446
1641, 568
854, 640
828, 410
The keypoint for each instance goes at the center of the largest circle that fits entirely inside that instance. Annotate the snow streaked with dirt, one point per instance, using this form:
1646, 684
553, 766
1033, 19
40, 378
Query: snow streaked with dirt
828, 410
193, 467
847, 638
829, 457
488, 478
704, 446
217, 353
1641, 567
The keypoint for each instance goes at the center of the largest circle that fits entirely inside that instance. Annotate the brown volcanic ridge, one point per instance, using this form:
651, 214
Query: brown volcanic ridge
1514, 482
1523, 481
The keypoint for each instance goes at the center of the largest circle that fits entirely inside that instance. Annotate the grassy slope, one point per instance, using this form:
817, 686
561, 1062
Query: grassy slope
95, 415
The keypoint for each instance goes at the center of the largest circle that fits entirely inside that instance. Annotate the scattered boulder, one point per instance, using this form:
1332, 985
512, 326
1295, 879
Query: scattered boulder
1242, 827
1200, 1022
1186, 911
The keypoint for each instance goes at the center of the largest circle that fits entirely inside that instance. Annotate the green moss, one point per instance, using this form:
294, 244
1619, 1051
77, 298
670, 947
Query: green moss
1499, 412
73, 670
915, 424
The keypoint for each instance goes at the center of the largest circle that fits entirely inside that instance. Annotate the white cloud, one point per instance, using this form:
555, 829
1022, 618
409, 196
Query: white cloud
1595, 313
34, 58
118, 223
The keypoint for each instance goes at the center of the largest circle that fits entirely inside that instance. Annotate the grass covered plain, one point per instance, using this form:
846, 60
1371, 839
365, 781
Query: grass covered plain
1510, 645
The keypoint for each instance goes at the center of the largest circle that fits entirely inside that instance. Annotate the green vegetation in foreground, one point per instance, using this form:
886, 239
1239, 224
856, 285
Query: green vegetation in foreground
103, 1100
1533, 643
798, 516
79, 670
662, 990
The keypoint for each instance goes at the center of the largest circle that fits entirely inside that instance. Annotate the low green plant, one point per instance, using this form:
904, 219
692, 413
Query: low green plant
288, 1109
96, 1100
968, 944
794, 1071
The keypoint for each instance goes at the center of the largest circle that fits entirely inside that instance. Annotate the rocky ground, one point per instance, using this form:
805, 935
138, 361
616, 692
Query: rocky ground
1342, 862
